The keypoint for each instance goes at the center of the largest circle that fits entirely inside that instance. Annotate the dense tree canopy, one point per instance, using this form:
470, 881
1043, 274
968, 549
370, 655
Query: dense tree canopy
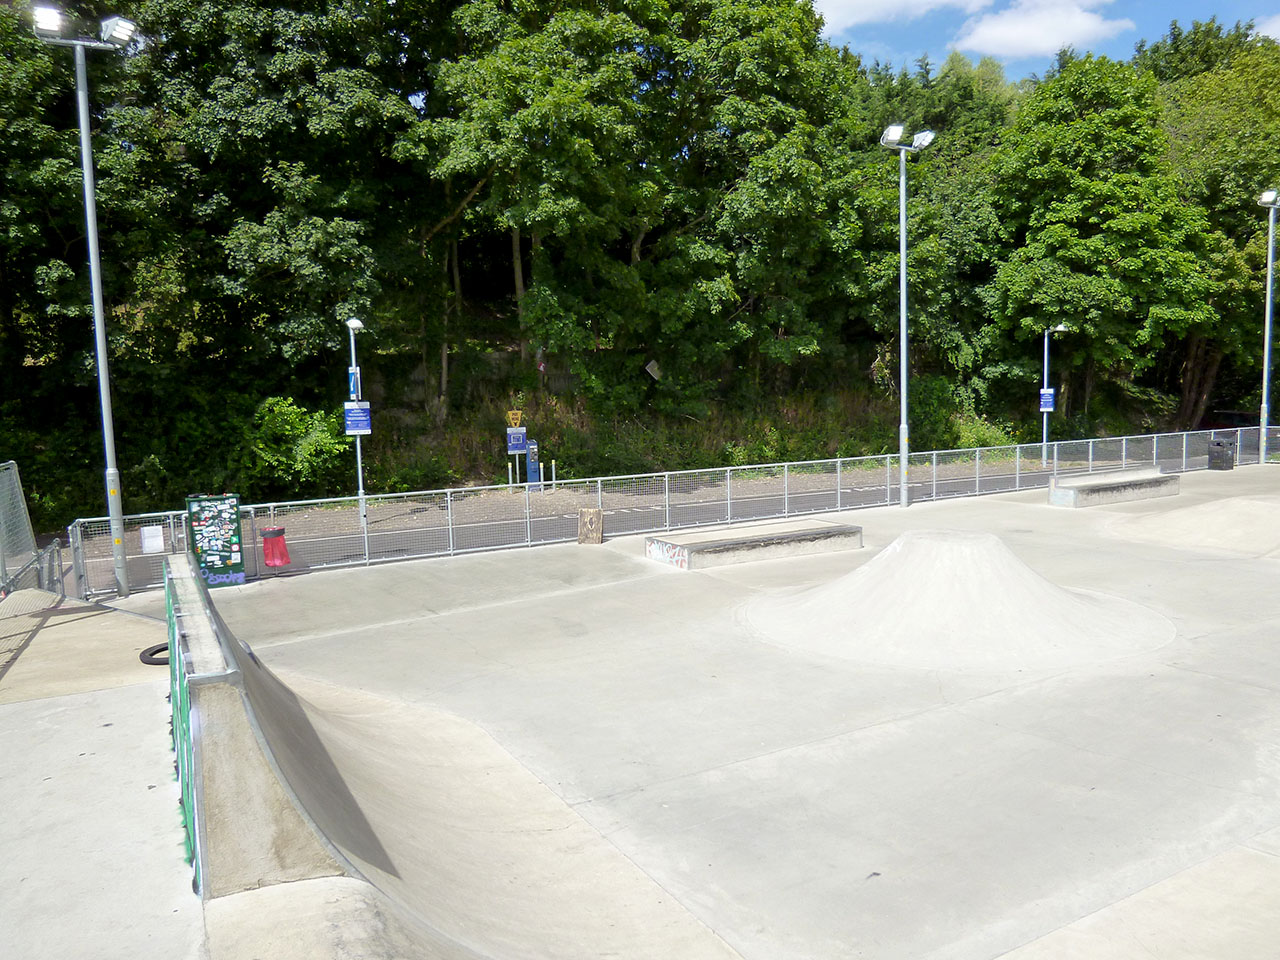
621, 212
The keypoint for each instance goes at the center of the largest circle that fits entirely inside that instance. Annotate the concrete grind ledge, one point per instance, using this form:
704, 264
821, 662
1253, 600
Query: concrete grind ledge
1100, 488
699, 555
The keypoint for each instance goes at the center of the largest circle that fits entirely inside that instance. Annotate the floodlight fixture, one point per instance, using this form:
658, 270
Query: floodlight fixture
118, 31
922, 139
355, 324
892, 135
48, 22
1268, 199
1060, 328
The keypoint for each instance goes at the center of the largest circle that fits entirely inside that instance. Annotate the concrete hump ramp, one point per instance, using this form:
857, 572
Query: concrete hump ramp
476, 858
1248, 526
958, 601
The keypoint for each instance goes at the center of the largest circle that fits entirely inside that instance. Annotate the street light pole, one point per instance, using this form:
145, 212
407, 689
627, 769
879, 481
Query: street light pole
1269, 200
892, 138
352, 326
50, 24
904, 441
1044, 437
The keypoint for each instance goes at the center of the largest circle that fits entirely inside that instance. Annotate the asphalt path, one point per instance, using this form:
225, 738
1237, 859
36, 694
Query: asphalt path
415, 526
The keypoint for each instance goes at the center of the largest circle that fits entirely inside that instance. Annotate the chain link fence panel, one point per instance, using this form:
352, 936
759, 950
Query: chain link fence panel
17, 542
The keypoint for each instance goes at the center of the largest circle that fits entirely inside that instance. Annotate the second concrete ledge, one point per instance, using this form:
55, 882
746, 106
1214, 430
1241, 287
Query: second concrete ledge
688, 553
1116, 487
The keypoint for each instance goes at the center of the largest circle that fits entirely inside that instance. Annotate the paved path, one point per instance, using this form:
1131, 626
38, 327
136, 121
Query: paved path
92, 845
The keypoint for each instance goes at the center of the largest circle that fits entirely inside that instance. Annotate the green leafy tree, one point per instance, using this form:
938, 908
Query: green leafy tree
1182, 53
1099, 239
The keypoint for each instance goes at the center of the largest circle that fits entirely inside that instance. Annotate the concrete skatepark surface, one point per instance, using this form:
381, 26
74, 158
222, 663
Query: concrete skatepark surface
564, 750
798, 802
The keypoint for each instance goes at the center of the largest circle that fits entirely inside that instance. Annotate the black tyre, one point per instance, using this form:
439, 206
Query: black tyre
157, 656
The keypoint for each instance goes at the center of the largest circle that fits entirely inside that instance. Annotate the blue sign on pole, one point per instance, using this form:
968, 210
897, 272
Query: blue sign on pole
1046, 400
358, 418
517, 440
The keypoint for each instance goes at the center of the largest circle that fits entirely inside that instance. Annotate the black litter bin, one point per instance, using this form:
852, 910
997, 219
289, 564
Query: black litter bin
1222, 454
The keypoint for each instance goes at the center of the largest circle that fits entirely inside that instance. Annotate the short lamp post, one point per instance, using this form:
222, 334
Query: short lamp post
353, 327
115, 33
1044, 435
893, 138
1270, 201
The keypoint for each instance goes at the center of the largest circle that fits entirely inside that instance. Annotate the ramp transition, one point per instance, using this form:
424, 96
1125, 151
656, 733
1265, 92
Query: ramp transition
455, 850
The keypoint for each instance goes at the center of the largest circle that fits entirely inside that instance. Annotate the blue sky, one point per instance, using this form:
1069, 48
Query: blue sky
1023, 34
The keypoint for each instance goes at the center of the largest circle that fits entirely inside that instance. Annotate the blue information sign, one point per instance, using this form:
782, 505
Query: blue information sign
1046, 400
517, 440
358, 418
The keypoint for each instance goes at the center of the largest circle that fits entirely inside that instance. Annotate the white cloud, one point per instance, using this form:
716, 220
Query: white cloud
1269, 27
1035, 28
840, 15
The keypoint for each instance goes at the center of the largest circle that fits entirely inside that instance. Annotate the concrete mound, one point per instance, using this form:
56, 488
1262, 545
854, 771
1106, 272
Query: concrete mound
1248, 526
958, 601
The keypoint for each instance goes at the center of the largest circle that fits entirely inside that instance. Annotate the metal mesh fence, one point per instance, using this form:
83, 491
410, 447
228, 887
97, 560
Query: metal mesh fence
17, 542
322, 533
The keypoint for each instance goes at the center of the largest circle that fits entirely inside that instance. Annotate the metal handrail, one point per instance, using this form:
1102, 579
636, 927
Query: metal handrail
47, 564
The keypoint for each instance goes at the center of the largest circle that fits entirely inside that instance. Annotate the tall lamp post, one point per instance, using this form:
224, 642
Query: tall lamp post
53, 26
1269, 200
892, 138
1044, 436
353, 372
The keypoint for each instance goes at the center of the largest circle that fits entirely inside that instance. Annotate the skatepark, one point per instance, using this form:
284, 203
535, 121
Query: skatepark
997, 729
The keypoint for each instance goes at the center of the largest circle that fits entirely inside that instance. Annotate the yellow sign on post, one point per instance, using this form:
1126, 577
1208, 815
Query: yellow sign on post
513, 418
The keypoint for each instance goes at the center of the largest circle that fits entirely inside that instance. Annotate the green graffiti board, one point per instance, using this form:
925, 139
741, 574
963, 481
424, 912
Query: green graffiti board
213, 531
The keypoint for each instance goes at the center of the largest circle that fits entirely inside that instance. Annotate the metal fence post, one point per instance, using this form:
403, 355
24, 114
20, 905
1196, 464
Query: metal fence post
935, 475
1155, 448
728, 497
1017, 467
448, 517
1124, 452
1239, 442
1091, 456
1055, 458
666, 497
253, 538
528, 517
600, 494
977, 470
888, 476
838, 482
77, 561
786, 490
1184, 452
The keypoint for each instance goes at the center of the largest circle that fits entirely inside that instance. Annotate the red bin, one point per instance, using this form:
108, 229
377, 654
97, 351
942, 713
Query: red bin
274, 547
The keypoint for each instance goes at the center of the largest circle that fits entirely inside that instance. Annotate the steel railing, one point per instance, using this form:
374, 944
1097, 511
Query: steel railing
41, 572
403, 526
